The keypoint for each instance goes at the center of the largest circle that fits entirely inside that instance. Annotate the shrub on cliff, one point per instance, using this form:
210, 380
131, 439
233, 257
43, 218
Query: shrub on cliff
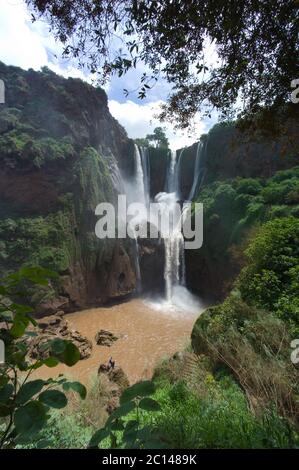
270, 280
255, 346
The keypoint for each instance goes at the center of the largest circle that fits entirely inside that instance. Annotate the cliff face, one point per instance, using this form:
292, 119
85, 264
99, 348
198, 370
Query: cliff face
158, 163
58, 148
233, 208
231, 153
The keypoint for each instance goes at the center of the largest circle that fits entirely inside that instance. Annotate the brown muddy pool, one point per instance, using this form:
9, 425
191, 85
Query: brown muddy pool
147, 333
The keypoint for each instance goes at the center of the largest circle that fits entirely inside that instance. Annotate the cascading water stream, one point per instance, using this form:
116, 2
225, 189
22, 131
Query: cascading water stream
168, 202
199, 169
139, 179
146, 174
174, 264
115, 175
171, 180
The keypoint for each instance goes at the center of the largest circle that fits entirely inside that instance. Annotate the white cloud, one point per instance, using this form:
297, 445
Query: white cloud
30, 45
18, 44
139, 120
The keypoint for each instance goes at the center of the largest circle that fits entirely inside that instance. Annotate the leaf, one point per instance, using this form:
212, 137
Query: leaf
149, 404
43, 443
57, 345
22, 309
50, 361
139, 389
76, 387
117, 425
71, 354
53, 398
6, 392
4, 410
130, 432
122, 410
65, 351
19, 326
98, 437
30, 419
28, 390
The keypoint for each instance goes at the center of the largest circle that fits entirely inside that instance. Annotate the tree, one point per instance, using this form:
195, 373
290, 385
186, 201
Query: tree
158, 138
256, 42
142, 142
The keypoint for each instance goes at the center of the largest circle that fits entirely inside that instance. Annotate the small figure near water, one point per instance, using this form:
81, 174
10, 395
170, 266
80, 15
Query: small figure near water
111, 363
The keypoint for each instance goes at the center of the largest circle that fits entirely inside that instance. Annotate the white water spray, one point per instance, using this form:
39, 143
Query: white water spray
139, 179
199, 170
171, 180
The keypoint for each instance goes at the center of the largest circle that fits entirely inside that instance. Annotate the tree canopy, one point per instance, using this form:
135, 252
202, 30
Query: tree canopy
256, 42
158, 138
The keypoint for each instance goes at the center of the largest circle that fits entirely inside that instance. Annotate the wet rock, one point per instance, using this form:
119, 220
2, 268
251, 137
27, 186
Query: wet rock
55, 326
116, 382
105, 338
51, 306
151, 262
121, 280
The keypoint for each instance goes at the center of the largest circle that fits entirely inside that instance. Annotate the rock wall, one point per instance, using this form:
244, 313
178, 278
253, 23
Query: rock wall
57, 141
211, 270
158, 162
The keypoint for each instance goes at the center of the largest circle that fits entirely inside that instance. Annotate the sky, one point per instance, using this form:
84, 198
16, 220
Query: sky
31, 45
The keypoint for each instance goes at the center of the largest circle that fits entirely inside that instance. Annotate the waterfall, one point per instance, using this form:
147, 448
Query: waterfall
139, 178
115, 175
137, 265
171, 180
146, 173
137, 195
199, 169
139, 191
176, 294
174, 264
177, 180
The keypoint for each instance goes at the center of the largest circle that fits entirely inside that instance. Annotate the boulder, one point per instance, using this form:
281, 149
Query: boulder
105, 338
116, 382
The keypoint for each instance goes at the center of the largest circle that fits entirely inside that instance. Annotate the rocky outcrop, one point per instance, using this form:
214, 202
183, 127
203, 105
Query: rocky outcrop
57, 142
151, 263
52, 327
231, 153
105, 338
115, 382
158, 163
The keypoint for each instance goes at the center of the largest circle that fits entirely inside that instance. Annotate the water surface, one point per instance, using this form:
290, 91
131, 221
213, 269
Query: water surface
147, 331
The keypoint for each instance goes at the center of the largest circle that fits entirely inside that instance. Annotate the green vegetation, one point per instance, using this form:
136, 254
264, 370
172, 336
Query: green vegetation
233, 211
157, 139
46, 241
236, 205
204, 410
25, 403
270, 278
254, 345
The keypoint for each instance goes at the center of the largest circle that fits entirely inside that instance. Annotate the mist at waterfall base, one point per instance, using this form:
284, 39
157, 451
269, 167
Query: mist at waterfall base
177, 298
